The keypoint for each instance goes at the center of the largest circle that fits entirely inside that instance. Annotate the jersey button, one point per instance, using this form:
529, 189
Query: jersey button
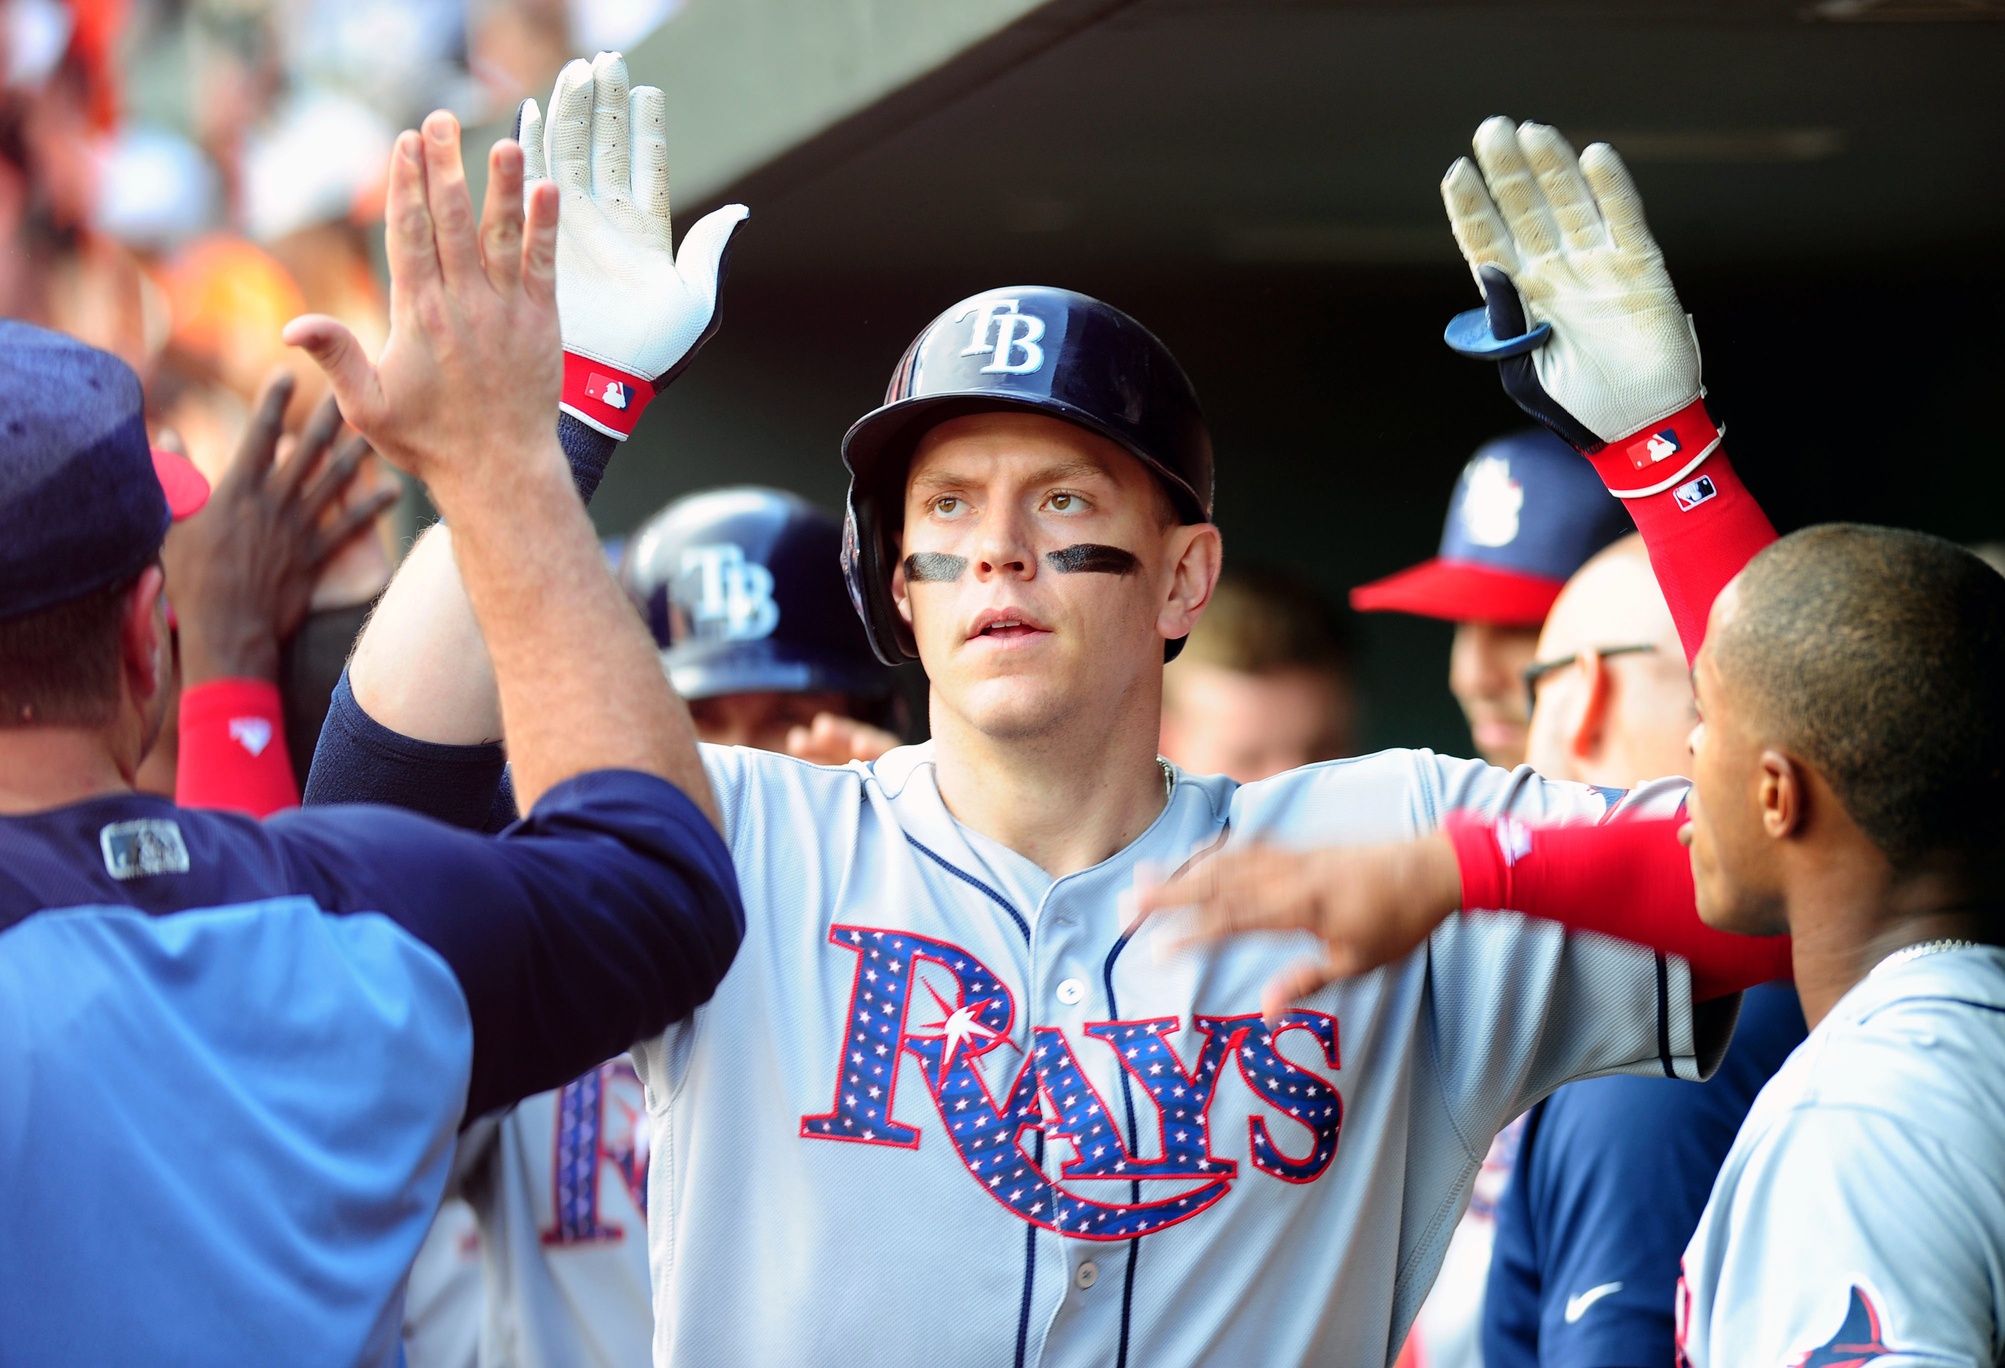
1072, 992
1086, 1275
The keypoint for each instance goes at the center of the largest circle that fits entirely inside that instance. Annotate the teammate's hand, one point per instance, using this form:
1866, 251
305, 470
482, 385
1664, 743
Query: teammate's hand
1559, 241
469, 377
1370, 905
628, 301
241, 572
833, 740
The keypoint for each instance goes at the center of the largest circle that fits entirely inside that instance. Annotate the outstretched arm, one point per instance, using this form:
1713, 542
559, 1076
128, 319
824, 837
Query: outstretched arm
1372, 905
474, 317
633, 312
1590, 339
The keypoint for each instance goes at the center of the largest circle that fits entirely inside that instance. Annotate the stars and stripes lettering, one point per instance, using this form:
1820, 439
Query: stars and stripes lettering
586, 1146
914, 995
1304, 1097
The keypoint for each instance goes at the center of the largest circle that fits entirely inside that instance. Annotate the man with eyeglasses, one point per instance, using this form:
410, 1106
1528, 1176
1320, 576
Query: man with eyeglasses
1612, 1174
1607, 692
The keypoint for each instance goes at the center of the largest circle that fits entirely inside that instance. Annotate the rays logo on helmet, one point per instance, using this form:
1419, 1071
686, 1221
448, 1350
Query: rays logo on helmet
734, 598
1491, 500
1010, 336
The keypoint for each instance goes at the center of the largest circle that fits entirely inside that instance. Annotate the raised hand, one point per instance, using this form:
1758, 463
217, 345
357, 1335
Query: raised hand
469, 379
634, 310
1370, 905
1561, 242
241, 572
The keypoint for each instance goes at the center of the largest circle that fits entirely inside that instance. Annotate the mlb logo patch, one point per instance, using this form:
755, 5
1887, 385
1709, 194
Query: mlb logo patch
612, 393
135, 850
1658, 446
252, 733
1693, 493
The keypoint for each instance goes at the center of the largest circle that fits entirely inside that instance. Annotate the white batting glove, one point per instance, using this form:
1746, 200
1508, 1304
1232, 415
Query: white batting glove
1578, 308
633, 310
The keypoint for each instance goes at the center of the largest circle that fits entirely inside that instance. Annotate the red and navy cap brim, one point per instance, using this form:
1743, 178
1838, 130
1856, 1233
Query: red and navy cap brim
1461, 591
185, 487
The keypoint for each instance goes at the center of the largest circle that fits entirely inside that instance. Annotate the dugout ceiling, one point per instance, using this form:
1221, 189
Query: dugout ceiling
929, 133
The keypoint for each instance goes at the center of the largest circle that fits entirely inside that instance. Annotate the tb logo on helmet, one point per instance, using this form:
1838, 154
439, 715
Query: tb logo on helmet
734, 598
1009, 335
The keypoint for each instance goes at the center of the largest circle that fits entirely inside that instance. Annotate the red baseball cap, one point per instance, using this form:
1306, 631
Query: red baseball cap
1527, 512
1461, 591
185, 486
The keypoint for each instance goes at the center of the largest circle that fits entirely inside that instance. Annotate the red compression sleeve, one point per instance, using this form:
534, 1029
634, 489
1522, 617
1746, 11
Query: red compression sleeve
1700, 524
1628, 879
233, 749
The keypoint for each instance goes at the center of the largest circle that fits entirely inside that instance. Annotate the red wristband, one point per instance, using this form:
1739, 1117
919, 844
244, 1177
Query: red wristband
233, 753
1698, 520
604, 396
1663, 456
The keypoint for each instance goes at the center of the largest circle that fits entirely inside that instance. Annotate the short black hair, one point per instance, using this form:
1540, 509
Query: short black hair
59, 666
1878, 656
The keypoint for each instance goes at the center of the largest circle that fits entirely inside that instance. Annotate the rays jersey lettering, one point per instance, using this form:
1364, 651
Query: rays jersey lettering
967, 1014
600, 1135
947, 1107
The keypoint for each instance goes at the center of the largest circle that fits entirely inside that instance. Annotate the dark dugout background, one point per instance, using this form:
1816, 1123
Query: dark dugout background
1257, 183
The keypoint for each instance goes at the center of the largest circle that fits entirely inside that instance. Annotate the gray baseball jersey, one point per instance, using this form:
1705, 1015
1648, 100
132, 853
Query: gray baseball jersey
1860, 1216
442, 1295
944, 1109
559, 1185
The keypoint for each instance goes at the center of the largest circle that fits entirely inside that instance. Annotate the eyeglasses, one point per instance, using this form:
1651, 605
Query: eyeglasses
1540, 669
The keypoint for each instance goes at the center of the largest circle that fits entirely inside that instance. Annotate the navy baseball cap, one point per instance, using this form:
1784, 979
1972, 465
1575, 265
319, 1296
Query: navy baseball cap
1527, 512
85, 500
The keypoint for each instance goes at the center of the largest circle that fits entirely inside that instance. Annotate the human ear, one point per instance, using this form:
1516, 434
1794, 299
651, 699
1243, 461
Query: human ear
1780, 792
1198, 552
144, 656
899, 596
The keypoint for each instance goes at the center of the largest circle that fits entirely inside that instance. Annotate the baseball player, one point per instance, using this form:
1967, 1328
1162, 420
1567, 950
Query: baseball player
744, 594
949, 1103
236, 1053
1613, 1172
1857, 1218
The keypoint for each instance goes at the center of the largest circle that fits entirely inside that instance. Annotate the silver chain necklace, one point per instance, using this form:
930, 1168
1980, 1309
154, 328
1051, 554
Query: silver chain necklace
1923, 949
1169, 778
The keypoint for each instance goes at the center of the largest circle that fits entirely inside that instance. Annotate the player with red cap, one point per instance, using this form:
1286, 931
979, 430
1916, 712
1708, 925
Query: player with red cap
1526, 513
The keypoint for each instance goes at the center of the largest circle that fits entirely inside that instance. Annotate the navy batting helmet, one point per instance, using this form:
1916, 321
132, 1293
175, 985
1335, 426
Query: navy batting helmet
1028, 347
741, 590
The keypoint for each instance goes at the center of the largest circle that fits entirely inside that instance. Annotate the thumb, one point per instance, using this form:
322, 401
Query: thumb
334, 349
705, 254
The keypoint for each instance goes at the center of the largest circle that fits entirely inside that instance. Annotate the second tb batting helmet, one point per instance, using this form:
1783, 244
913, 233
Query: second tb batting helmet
741, 590
1026, 347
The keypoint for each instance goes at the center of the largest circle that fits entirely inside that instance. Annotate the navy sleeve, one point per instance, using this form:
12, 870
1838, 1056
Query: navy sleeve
609, 912
1511, 1296
359, 760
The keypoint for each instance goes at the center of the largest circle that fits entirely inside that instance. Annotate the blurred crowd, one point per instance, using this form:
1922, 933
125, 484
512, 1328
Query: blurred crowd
178, 178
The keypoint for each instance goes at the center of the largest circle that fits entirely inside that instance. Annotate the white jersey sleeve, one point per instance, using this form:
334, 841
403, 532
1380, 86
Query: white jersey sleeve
1860, 1216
